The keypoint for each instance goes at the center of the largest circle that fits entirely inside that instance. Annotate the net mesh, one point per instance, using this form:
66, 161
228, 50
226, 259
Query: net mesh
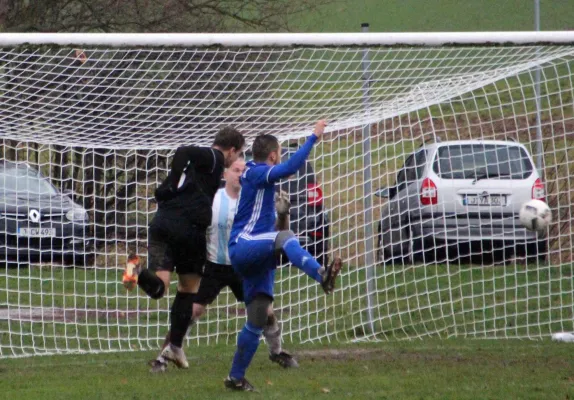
87, 135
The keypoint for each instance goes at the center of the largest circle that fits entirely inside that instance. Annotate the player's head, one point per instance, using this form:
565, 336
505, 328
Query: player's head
266, 149
233, 173
230, 142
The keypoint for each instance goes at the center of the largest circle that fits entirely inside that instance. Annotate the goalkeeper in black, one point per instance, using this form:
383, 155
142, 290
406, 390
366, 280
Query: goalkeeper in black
177, 233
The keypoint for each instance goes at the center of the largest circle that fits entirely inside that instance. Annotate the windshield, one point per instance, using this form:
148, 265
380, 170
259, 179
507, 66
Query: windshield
24, 181
472, 161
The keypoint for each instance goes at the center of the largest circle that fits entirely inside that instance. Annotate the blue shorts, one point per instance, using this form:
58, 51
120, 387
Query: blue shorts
254, 259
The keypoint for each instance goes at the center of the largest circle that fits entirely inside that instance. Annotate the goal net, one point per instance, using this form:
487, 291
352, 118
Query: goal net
434, 142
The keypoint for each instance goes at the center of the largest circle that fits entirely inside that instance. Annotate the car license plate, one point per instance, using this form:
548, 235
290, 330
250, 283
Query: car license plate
37, 232
494, 200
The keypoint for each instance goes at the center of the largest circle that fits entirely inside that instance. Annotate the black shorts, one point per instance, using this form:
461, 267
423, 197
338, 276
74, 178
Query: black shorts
215, 278
176, 245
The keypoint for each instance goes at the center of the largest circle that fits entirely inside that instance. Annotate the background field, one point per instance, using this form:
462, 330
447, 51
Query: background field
436, 15
429, 368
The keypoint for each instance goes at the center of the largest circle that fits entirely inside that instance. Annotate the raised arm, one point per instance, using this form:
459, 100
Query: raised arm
297, 160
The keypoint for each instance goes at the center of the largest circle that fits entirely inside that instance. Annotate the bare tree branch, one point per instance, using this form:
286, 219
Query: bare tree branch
151, 16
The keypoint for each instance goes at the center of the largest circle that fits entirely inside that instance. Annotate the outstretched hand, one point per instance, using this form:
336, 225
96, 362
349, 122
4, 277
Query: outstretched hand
320, 128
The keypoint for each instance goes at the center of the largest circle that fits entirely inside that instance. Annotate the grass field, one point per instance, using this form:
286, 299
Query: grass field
435, 15
429, 369
78, 309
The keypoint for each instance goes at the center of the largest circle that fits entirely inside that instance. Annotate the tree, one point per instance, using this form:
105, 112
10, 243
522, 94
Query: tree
151, 15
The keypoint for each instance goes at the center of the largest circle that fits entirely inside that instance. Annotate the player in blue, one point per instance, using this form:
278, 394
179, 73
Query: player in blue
254, 244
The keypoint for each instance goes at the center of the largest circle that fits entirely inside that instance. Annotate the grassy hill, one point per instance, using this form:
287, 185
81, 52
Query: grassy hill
436, 15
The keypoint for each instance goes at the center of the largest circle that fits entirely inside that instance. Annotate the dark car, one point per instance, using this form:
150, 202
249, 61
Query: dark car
38, 222
308, 219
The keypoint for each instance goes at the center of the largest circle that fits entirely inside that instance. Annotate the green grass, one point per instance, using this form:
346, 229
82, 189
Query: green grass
333, 85
429, 369
435, 15
415, 301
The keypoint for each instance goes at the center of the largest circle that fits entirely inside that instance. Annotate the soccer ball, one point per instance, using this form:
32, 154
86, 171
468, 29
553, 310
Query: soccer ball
535, 215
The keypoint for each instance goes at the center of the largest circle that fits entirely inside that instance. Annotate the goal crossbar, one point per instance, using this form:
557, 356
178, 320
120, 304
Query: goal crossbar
287, 39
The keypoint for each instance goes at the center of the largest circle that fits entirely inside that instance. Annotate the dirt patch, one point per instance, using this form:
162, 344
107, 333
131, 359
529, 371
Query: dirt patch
240, 311
398, 356
55, 314
374, 354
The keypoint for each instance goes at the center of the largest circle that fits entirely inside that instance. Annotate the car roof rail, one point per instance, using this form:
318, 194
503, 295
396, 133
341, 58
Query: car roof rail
510, 138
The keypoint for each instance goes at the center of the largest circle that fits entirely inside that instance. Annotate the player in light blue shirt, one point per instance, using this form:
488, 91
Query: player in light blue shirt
255, 244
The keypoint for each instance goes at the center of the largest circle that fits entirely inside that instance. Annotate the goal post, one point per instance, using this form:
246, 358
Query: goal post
89, 123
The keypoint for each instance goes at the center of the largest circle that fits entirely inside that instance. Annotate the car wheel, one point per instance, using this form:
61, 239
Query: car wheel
534, 252
15, 264
398, 252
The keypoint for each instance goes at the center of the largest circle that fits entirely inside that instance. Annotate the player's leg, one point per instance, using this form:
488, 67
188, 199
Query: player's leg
272, 334
153, 280
248, 341
160, 363
209, 289
180, 318
198, 311
272, 329
189, 257
287, 242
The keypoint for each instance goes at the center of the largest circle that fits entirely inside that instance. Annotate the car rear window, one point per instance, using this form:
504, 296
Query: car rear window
471, 161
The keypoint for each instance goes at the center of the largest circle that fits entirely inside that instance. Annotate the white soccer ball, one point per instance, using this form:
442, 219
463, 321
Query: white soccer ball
535, 215
563, 337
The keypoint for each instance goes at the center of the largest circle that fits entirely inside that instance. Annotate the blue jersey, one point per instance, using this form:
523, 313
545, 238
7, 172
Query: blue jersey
256, 208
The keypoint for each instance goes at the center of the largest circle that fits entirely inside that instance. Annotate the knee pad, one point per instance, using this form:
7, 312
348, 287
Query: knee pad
257, 311
282, 238
271, 320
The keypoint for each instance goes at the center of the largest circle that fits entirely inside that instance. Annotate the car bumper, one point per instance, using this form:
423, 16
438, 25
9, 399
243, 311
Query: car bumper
71, 247
459, 228
70, 239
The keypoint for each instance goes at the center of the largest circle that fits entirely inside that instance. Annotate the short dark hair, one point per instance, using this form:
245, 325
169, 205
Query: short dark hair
263, 146
229, 137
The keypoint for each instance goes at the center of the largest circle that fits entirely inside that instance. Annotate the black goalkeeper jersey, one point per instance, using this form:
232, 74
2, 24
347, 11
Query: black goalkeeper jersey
190, 187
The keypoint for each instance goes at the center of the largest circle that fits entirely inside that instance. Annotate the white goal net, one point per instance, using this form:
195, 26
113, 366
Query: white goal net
434, 142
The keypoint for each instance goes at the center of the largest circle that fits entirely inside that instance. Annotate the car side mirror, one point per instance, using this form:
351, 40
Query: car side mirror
386, 192
70, 194
382, 192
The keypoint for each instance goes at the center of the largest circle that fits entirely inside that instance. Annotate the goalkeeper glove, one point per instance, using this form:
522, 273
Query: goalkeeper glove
282, 203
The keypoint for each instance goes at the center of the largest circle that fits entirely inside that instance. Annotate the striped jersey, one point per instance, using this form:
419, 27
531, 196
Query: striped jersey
256, 209
218, 232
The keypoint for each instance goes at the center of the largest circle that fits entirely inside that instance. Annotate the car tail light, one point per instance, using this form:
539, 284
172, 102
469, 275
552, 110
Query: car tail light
538, 191
314, 194
429, 192
317, 234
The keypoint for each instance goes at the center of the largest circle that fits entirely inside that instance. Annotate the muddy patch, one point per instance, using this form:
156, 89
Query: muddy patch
56, 314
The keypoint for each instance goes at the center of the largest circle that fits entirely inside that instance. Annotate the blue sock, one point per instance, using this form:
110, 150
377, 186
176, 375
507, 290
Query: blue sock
247, 343
301, 258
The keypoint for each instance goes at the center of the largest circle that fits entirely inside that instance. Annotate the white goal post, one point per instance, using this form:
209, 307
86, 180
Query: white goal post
421, 126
